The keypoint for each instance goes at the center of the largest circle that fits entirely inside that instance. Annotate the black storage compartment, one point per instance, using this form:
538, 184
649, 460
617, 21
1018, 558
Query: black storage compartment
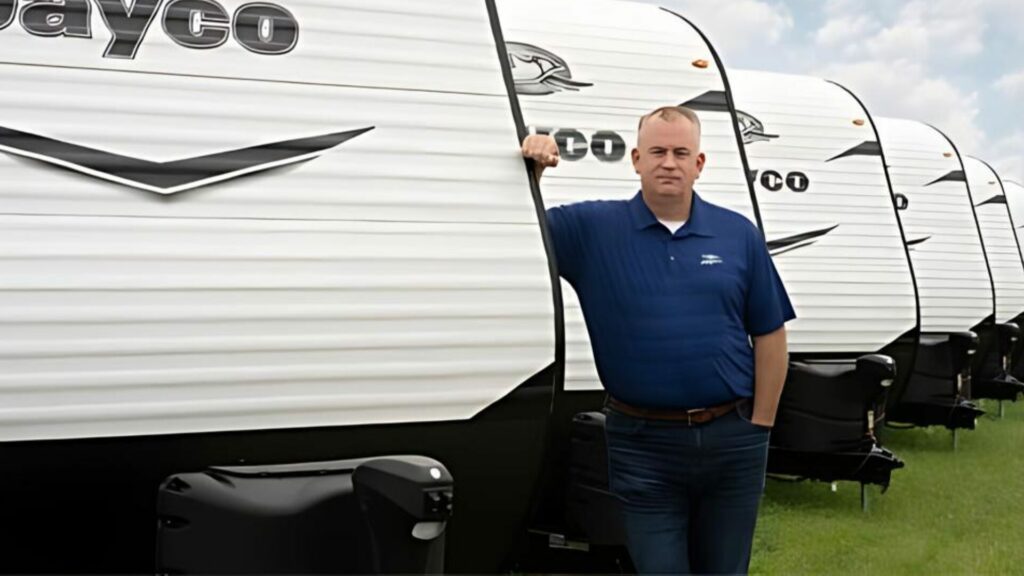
591, 509
939, 390
994, 379
384, 514
824, 428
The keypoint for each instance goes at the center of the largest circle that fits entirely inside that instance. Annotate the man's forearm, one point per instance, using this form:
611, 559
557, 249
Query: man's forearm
771, 362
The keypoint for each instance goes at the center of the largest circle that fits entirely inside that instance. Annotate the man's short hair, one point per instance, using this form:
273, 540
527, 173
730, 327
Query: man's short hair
669, 113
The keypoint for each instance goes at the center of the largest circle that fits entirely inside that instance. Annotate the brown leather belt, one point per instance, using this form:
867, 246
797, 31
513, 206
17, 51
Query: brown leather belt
691, 417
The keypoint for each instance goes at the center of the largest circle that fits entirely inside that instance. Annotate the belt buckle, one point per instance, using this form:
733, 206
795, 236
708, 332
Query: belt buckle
690, 413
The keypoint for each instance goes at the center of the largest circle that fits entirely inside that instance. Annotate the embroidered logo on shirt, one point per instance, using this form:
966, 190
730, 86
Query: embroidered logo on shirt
710, 259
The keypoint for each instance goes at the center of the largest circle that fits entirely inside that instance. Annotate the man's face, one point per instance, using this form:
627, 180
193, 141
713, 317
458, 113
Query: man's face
668, 157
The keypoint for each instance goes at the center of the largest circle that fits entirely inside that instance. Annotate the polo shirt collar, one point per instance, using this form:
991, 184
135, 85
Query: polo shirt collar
696, 224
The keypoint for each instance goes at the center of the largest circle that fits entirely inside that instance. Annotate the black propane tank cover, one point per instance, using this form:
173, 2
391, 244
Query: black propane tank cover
877, 367
406, 501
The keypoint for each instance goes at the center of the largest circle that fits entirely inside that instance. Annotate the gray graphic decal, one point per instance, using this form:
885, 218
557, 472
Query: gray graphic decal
537, 72
954, 176
869, 148
787, 243
997, 199
175, 176
752, 129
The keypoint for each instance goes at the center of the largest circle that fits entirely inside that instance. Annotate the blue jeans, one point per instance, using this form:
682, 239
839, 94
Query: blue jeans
690, 494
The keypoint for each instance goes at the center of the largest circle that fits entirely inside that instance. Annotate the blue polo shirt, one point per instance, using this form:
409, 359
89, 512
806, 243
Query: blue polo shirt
669, 315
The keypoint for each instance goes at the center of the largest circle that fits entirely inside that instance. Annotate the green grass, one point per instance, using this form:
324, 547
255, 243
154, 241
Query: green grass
946, 512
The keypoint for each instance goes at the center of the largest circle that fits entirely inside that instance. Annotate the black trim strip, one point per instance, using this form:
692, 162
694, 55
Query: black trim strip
732, 112
867, 148
538, 201
977, 225
918, 241
169, 177
899, 223
953, 176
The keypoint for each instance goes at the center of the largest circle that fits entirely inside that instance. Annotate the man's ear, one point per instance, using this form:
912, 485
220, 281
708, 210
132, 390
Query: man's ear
700, 164
636, 160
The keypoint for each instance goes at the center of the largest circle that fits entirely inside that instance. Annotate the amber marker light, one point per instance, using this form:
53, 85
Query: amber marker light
700, 63
858, 122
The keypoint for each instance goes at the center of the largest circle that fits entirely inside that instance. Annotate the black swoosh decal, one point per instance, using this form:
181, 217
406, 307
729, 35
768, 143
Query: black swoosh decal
869, 148
712, 101
997, 199
791, 248
954, 176
917, 241
175, 176
780, 245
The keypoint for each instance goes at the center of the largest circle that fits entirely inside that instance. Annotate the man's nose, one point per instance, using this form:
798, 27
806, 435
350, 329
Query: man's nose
669, 162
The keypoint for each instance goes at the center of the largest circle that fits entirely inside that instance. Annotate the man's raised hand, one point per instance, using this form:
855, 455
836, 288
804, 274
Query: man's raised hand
542, 149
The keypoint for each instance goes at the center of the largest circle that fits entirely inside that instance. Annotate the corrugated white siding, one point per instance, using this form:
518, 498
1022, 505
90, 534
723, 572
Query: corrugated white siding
442, 45
945, 245
852, 287
637, 58
399, 277
999, 239
1015, 202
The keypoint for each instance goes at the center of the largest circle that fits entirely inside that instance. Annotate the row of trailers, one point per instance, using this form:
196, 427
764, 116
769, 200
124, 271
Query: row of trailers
278, 294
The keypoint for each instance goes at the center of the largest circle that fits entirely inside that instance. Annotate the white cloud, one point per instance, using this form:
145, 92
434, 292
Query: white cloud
1011, 83
955, 28
1005, 12
938, 29
844, 30
737, 25
904, 89
899, 42
1007, 156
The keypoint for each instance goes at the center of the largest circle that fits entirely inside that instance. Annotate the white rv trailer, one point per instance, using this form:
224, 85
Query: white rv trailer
997, 234
823, 194
1015, 203
828, 215
945, 244
1000, 368
956, 290
265, 233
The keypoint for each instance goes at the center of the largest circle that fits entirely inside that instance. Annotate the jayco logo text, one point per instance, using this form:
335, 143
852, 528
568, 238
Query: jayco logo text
259, 27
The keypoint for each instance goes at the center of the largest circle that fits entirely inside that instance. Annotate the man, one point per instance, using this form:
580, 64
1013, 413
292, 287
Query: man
673, 290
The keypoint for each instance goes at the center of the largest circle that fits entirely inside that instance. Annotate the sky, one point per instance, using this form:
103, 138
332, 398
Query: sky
956, 64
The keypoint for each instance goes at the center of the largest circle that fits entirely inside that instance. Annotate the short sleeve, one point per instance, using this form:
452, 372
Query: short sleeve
564, 225
768, 307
